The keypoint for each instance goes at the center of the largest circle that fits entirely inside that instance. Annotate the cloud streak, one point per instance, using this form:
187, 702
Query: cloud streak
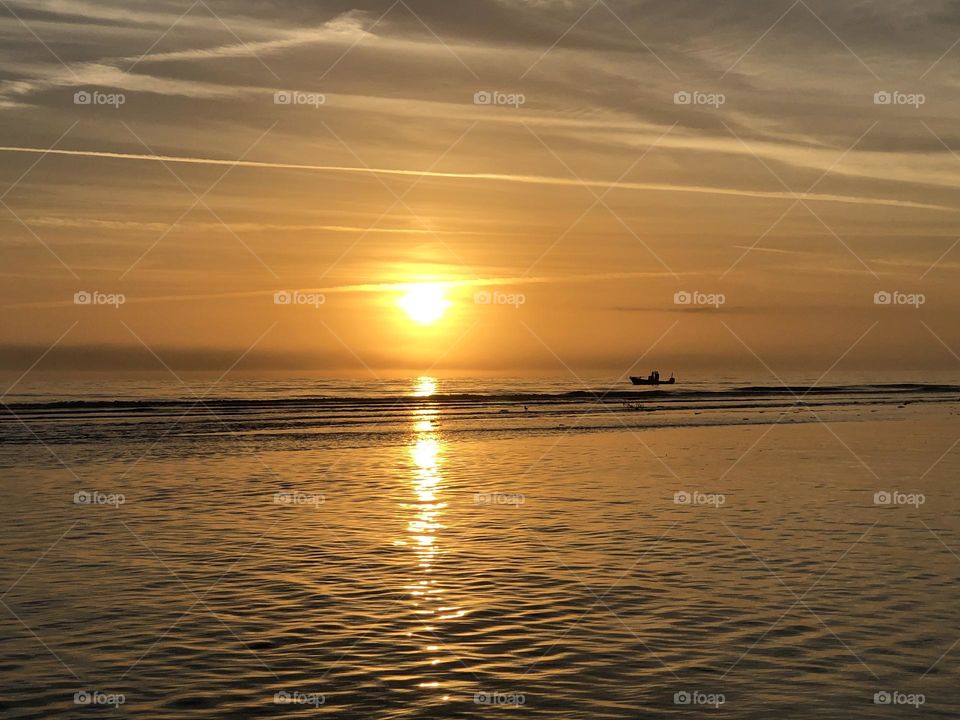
489, 177
383, 287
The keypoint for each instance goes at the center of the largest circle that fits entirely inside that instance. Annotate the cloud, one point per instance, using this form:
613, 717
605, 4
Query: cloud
116, 72
36, 79
342, 30
490, 177
125, 225
378, 287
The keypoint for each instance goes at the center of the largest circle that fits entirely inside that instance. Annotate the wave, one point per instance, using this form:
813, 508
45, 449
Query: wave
598, 395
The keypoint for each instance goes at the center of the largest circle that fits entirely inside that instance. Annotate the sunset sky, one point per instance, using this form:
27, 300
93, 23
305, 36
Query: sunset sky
579, 203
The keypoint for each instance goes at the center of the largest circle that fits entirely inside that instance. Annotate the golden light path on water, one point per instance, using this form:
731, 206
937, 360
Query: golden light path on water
425, 386
423, 514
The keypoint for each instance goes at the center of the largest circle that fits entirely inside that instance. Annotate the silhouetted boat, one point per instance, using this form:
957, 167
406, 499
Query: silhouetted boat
652, 379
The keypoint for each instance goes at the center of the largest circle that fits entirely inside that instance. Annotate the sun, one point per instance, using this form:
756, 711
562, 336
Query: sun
424, 303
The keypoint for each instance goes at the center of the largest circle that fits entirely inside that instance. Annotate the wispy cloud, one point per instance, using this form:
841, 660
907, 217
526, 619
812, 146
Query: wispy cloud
379, 287
490, 177
126, 225
38, 78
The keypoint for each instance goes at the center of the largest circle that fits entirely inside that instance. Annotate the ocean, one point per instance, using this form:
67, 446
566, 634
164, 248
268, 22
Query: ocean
462, 548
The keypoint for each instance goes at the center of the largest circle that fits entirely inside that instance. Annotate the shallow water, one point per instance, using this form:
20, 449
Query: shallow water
440, 569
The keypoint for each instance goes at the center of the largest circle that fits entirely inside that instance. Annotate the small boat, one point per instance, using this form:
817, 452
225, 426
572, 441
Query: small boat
652, 379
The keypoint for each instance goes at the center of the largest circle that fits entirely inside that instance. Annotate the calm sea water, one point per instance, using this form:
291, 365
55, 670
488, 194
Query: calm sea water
455, 549
52, 387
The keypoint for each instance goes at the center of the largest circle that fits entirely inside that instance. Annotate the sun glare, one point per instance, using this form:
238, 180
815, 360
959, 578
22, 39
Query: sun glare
425, 303
425, 386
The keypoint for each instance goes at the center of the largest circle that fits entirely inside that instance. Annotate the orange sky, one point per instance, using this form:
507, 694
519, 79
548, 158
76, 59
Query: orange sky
581, 201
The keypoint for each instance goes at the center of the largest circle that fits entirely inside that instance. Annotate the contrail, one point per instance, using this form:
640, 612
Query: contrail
495, 177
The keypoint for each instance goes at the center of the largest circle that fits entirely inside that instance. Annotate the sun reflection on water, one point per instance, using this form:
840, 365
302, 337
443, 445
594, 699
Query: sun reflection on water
423, 515
425, 386
425, 425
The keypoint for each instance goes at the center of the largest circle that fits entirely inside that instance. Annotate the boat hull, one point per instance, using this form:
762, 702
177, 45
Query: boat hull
648, 381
